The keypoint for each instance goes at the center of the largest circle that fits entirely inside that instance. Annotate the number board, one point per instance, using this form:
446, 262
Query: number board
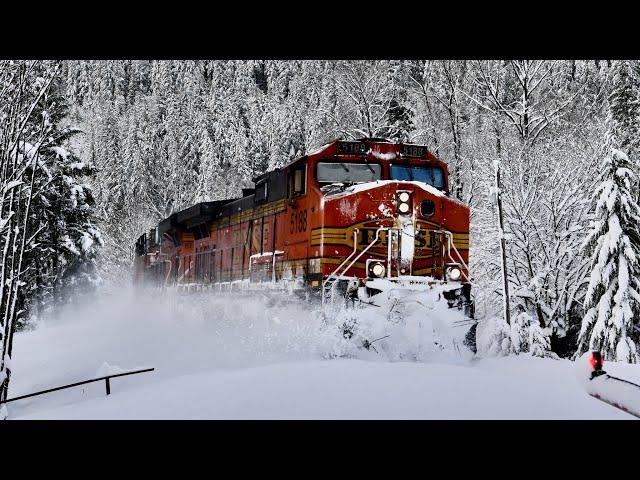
413, 151
352, 147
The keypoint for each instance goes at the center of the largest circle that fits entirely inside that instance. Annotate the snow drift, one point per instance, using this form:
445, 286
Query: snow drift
254, 357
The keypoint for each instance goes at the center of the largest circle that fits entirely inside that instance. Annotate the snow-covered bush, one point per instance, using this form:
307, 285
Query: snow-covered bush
528, 337
494, 338
523, 336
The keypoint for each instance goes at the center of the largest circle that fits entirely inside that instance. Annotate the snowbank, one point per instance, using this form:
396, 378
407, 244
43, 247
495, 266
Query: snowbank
507, 388
257, 358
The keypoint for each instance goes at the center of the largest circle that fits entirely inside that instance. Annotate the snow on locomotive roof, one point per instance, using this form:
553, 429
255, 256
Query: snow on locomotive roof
320, 149
383, 156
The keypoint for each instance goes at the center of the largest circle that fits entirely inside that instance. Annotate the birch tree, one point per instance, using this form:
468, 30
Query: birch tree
22, 134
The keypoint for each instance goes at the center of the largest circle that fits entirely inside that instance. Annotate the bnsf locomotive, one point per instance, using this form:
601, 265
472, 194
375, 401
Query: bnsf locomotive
354, 214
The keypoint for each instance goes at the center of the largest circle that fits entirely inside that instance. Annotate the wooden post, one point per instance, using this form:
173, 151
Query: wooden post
108, 386
503, 247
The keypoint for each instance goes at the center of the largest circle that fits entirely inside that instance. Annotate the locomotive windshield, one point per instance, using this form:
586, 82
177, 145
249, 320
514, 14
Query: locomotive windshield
433, 176
347, 173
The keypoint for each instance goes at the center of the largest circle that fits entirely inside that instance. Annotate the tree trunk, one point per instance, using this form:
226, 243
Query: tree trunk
503, 248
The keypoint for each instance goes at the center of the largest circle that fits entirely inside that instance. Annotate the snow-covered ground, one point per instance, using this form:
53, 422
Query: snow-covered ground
256, 359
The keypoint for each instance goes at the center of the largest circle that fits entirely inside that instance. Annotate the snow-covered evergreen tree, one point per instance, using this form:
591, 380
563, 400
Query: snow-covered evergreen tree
47, 235
610, 324
527, 336
62, 262
624, 108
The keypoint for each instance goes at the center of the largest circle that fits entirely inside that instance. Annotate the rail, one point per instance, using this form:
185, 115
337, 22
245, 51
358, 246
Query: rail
105, 378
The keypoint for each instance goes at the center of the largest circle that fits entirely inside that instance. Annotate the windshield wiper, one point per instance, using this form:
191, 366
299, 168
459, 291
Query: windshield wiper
332, 188
370, 167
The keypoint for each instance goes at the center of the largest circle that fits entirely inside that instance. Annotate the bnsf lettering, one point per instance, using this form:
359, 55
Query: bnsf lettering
366, 236
421, 239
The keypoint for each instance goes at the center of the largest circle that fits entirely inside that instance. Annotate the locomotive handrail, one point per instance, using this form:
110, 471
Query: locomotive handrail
273, 264
332, 276
355, 249
375, 240
451, 244
166, 277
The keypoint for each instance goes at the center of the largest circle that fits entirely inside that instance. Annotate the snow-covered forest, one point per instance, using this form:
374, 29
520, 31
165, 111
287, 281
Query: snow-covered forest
95, 152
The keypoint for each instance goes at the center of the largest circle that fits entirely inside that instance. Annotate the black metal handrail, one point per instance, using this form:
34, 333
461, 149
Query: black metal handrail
105, 378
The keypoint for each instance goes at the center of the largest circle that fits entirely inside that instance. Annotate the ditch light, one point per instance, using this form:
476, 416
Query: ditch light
454, 273
376, 268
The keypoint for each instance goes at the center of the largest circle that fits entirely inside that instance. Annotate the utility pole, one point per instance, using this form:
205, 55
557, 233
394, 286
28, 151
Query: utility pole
503, 245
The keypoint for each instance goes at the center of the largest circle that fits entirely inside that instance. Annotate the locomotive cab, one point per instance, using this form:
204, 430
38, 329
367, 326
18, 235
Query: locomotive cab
385, 217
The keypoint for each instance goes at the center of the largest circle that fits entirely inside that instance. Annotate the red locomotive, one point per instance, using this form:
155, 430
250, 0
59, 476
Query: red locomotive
360, 213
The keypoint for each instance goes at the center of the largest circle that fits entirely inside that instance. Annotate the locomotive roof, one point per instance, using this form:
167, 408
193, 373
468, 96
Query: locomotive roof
277, 190
191, 216
369, 142
205, 212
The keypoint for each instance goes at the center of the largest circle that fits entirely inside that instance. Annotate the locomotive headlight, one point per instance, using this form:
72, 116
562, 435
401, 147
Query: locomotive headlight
427, 208
403, 202
378, 270
454, 274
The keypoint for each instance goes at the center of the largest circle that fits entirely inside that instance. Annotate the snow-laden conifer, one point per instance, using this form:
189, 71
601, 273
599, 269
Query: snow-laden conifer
612, 298
527, 336
624, 109
614, 284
